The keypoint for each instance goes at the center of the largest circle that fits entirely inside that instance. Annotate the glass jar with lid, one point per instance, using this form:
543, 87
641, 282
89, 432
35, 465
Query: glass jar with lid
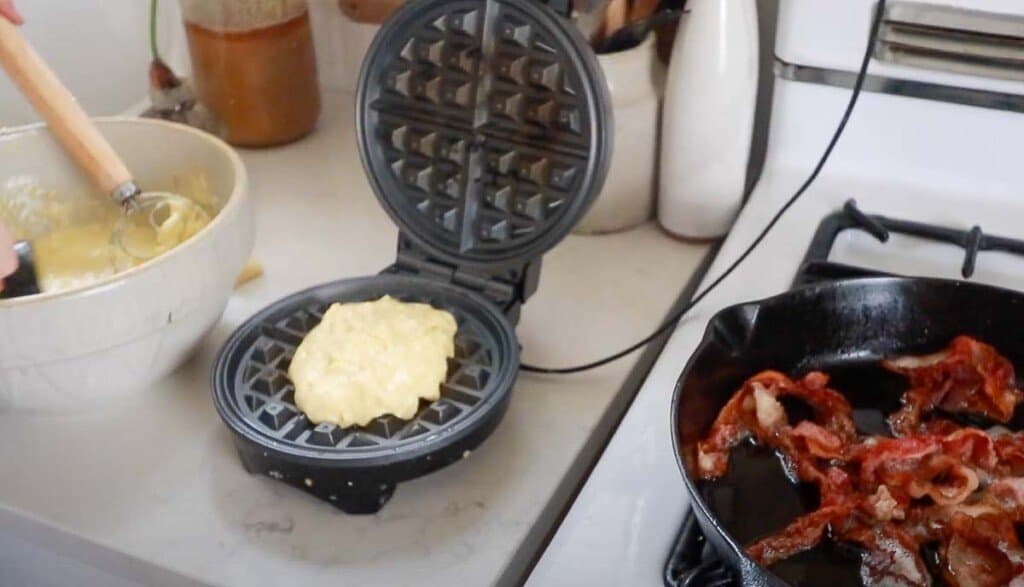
254, 67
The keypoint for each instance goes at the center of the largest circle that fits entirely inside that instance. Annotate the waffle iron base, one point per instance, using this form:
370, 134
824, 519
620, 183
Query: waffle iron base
356, 468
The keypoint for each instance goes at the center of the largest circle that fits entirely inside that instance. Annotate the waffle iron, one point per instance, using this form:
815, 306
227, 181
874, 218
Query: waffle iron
484, 128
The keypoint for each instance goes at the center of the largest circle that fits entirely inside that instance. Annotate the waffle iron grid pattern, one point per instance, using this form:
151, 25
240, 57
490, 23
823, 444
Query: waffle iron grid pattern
478, 129
266, 397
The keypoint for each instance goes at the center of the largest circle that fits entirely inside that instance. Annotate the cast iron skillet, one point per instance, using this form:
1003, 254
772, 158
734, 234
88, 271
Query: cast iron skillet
843, 328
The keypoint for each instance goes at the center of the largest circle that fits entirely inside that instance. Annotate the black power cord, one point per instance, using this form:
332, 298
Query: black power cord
674, 319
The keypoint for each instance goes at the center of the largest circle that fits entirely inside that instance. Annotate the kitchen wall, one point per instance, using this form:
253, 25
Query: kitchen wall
340, 44
99, 48
70, 26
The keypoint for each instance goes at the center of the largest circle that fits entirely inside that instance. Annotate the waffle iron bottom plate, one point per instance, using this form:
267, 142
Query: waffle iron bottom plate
356, 468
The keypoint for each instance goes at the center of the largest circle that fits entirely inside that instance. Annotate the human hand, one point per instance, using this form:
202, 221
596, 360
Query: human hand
8, 260
8, 11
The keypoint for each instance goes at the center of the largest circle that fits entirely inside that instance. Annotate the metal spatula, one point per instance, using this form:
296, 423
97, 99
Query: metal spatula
83, 141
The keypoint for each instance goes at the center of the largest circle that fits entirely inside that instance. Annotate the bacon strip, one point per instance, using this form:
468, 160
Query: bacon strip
801, 534
754, 410
891, 558
982, 551
968, 377
808, 437
1010, 453
804, 533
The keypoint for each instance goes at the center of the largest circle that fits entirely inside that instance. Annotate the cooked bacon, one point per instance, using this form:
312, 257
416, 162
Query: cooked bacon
755, 411
913, 363
938, 427
943, 479
967, 377
803, 533
883, 507
928, 524
982, 551
733, 425
1010, 451
891, 558
1007, 495
936, 482
916, 402
892, 456
918, 466
817, 441
770, 414
972, 447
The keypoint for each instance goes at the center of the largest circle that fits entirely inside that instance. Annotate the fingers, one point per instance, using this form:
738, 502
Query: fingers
8, 11
8, 260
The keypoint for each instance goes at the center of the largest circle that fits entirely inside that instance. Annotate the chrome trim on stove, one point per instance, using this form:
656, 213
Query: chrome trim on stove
900, 87
940, 17
950, 38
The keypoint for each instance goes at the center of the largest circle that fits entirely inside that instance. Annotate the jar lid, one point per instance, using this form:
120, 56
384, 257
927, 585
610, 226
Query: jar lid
484, 126
240, 15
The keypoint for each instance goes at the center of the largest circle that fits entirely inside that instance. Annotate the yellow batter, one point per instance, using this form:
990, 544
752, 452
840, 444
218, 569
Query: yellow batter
72, 239
369, 359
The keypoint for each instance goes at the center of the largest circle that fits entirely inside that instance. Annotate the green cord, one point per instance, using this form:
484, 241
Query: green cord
152, 30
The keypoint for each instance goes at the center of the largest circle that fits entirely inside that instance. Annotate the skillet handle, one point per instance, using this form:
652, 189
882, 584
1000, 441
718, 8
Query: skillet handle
58, 107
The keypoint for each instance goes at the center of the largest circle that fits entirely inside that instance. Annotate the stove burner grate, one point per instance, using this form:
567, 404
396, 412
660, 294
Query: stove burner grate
817, 268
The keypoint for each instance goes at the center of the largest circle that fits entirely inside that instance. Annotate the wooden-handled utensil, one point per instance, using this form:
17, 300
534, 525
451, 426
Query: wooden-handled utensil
635, 32
66, 119
642, 9
616, 14
79, 136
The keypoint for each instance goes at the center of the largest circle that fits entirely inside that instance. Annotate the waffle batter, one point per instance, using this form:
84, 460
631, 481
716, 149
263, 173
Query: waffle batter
81, 255
369, 359
72, 235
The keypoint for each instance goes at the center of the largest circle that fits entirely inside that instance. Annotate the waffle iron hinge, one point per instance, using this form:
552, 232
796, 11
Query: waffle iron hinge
507, 286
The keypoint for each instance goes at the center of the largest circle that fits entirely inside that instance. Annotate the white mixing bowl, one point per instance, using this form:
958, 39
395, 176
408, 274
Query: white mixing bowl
74, 348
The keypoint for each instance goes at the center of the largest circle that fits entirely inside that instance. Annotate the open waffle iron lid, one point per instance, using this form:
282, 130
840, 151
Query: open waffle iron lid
482, 125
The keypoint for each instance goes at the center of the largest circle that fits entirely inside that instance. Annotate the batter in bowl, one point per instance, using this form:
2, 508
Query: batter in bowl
72, 237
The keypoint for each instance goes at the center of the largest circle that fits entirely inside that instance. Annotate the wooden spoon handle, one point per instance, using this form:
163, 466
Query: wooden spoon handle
616, 16
642, 9
68, 122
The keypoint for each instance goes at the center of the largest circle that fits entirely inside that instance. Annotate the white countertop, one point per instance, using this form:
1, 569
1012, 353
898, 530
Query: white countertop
154, 484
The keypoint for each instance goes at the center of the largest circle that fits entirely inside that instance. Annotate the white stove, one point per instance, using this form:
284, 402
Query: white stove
915, 149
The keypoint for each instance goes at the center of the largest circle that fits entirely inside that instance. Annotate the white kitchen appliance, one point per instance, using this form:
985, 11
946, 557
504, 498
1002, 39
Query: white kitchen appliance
708, 120
935, 139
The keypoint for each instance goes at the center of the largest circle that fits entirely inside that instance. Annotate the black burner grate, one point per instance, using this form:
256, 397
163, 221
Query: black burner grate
816, 267
693, 562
